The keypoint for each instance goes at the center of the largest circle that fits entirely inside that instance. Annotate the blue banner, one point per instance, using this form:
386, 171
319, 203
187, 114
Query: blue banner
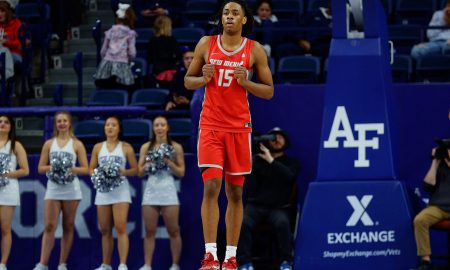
355, 225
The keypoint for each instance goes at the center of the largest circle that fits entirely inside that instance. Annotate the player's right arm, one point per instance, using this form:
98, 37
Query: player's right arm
199, 72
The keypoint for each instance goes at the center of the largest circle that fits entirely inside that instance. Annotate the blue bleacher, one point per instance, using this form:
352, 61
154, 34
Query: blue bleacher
197, 13
414, 11
298, 69
433, 68
402, 68
188, 36
103, 97
154, 98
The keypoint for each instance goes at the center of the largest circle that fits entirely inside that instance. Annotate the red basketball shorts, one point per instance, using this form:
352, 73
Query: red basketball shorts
228, 151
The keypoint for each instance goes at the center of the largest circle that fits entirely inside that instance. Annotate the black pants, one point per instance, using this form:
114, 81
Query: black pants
278, 219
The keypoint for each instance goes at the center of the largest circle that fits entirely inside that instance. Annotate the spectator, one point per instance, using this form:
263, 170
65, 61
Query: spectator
163, 52
180, 97
10, 44
119, 48
317, 41
149, 10
269, 185
160, 194
264, 23
439, 39
437, 181
9, 30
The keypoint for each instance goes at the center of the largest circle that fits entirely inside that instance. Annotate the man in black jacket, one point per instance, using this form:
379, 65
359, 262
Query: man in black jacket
269, 188
437, 181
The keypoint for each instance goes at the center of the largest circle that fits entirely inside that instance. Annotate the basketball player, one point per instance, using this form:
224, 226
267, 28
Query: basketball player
223, 63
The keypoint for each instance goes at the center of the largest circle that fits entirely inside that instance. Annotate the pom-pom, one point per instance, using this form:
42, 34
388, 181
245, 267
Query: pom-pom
5, 160
61, 165
155, 158
107, 176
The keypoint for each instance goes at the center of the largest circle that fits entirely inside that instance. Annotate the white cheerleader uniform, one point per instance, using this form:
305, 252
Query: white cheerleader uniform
160, 189
69, 191
121, 193
9, 194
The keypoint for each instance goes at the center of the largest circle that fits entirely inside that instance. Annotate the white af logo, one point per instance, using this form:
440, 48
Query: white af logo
359, 210
341, 118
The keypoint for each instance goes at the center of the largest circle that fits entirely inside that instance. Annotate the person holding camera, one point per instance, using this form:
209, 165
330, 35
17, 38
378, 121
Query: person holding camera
439, 39
437, 182
269, 187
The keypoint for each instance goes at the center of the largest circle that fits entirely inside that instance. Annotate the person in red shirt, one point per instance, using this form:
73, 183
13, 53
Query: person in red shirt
9, 31
222, 64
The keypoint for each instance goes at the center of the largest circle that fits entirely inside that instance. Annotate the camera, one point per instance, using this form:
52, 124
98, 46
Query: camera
442, 150
261, 139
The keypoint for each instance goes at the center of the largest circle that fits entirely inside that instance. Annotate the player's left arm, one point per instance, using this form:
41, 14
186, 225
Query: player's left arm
258, 60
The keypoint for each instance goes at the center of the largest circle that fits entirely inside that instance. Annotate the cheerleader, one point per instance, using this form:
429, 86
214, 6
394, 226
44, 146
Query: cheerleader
63, 192
112, 206
160, 194
12, 154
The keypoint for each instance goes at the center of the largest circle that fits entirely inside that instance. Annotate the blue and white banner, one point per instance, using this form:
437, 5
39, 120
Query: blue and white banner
355, 225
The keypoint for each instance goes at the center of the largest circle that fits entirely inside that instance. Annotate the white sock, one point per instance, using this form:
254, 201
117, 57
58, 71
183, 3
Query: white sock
211, 248
231, 252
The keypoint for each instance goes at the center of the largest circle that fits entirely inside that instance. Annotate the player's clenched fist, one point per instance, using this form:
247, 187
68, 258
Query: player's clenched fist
208, 72
240, 74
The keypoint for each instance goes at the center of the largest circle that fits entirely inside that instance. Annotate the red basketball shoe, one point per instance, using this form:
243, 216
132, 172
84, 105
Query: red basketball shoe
208, 263
230, 264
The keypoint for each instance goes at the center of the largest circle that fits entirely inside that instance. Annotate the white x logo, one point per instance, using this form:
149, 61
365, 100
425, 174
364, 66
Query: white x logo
359, 210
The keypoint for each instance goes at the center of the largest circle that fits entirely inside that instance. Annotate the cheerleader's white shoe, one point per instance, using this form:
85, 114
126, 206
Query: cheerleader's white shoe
62, 266
104, 267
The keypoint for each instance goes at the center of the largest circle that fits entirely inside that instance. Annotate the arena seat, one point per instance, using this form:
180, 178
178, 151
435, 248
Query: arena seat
315, 4
402, 68
143, 37
89, 129
137, 131
199, 12
298, 69
405, 37
443, 225
188, 36
89, 132
139, 68
153, 98
105, 97
288, 12
181, 131
414, 11
433, 68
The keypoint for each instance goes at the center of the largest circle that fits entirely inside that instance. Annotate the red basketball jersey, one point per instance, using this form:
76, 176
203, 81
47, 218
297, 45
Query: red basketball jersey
225, 105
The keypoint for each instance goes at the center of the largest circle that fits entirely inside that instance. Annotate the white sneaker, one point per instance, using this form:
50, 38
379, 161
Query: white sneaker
174, 267
40, 266
144, 267
62, 266
104, 267
3, 267
122, 267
